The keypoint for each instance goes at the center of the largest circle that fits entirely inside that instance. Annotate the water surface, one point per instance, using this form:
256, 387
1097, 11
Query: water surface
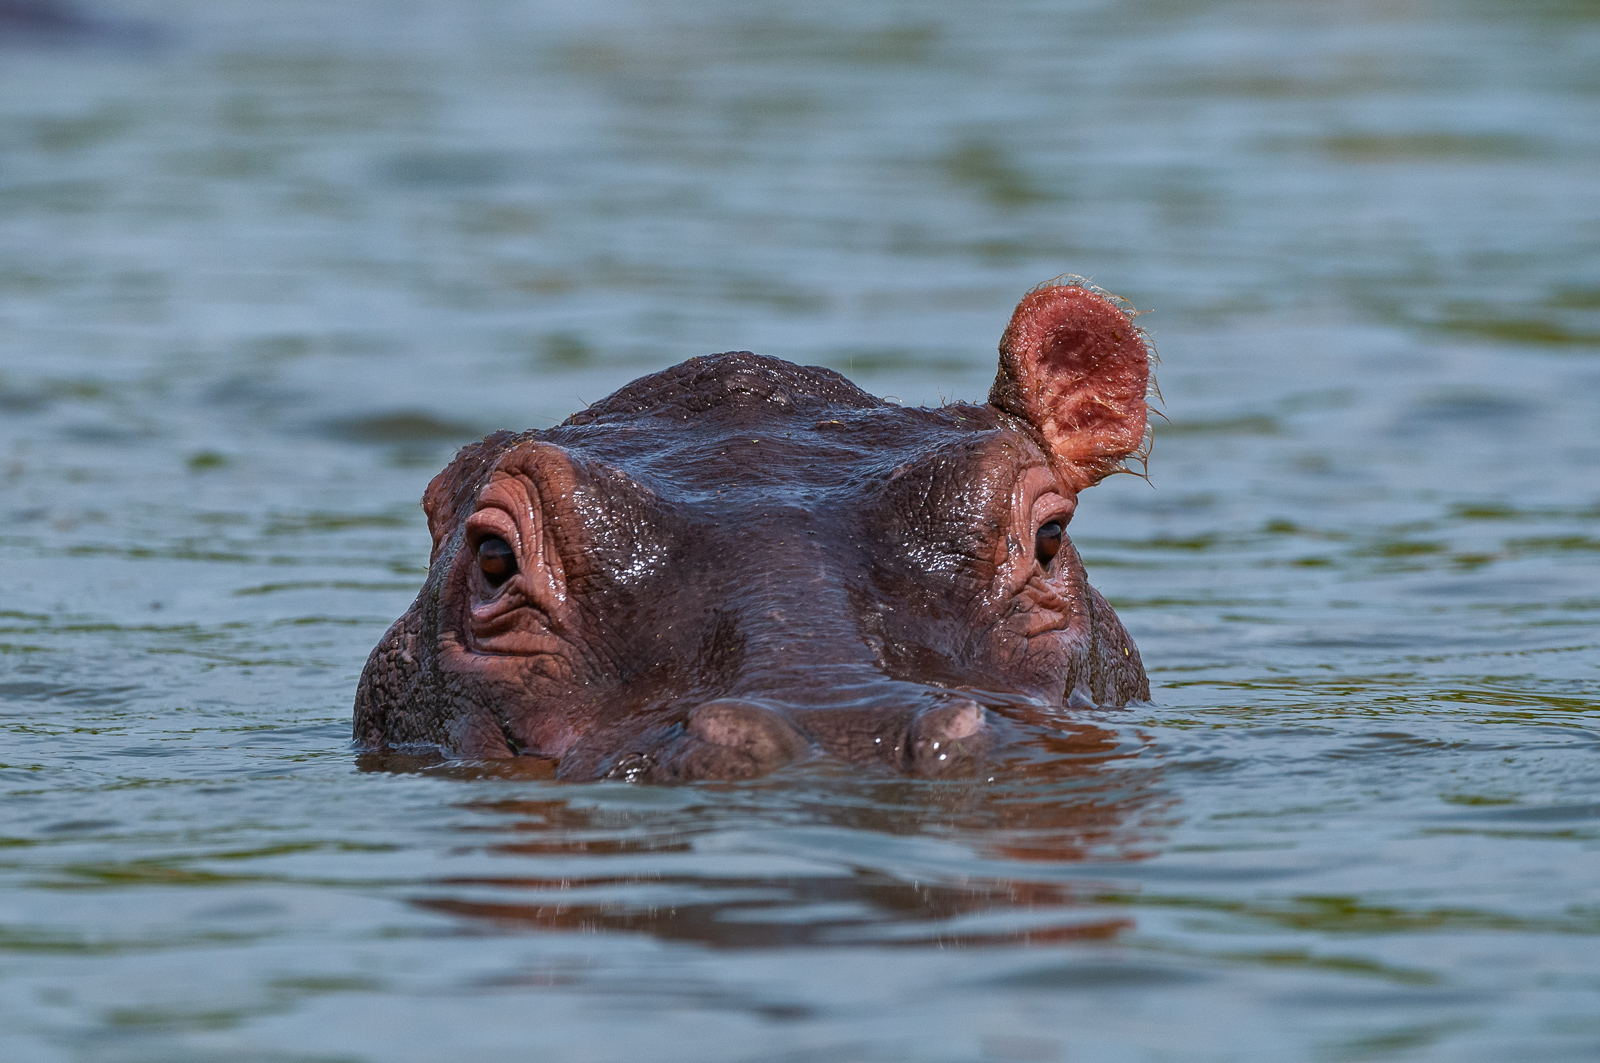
263, 266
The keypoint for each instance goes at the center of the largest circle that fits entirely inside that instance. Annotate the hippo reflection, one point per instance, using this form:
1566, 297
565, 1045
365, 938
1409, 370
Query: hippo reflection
1072, 791
739, 562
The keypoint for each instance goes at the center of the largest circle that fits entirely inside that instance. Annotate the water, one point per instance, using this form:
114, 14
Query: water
262, 266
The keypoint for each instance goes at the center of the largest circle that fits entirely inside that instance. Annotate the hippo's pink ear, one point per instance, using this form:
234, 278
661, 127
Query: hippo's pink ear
1073, 365
451, 492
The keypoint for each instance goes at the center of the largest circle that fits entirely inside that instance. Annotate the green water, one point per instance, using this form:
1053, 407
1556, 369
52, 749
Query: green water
263, 267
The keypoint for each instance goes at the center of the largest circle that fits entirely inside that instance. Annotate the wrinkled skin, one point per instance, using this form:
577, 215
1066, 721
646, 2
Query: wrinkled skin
738, 563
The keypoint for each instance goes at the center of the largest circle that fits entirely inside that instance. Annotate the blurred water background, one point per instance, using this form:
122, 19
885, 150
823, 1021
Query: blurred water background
264, 265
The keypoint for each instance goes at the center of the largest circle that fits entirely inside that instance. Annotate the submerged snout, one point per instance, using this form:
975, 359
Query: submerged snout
742, 738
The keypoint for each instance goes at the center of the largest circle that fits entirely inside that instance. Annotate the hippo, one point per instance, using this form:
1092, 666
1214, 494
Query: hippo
739, 563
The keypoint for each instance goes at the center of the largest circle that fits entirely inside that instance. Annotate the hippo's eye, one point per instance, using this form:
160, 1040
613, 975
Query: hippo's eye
1047, 543
497, 560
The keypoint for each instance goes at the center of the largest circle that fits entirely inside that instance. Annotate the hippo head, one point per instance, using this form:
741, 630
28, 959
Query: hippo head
739, 562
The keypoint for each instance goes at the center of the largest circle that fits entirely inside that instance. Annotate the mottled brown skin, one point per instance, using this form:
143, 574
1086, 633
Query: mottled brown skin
739, 562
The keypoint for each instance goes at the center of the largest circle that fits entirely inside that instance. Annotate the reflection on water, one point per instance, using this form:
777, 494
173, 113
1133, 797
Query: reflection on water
771, 912
262, 267
1062, 795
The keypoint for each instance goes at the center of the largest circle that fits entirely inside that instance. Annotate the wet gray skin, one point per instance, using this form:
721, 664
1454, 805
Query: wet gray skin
739, 562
